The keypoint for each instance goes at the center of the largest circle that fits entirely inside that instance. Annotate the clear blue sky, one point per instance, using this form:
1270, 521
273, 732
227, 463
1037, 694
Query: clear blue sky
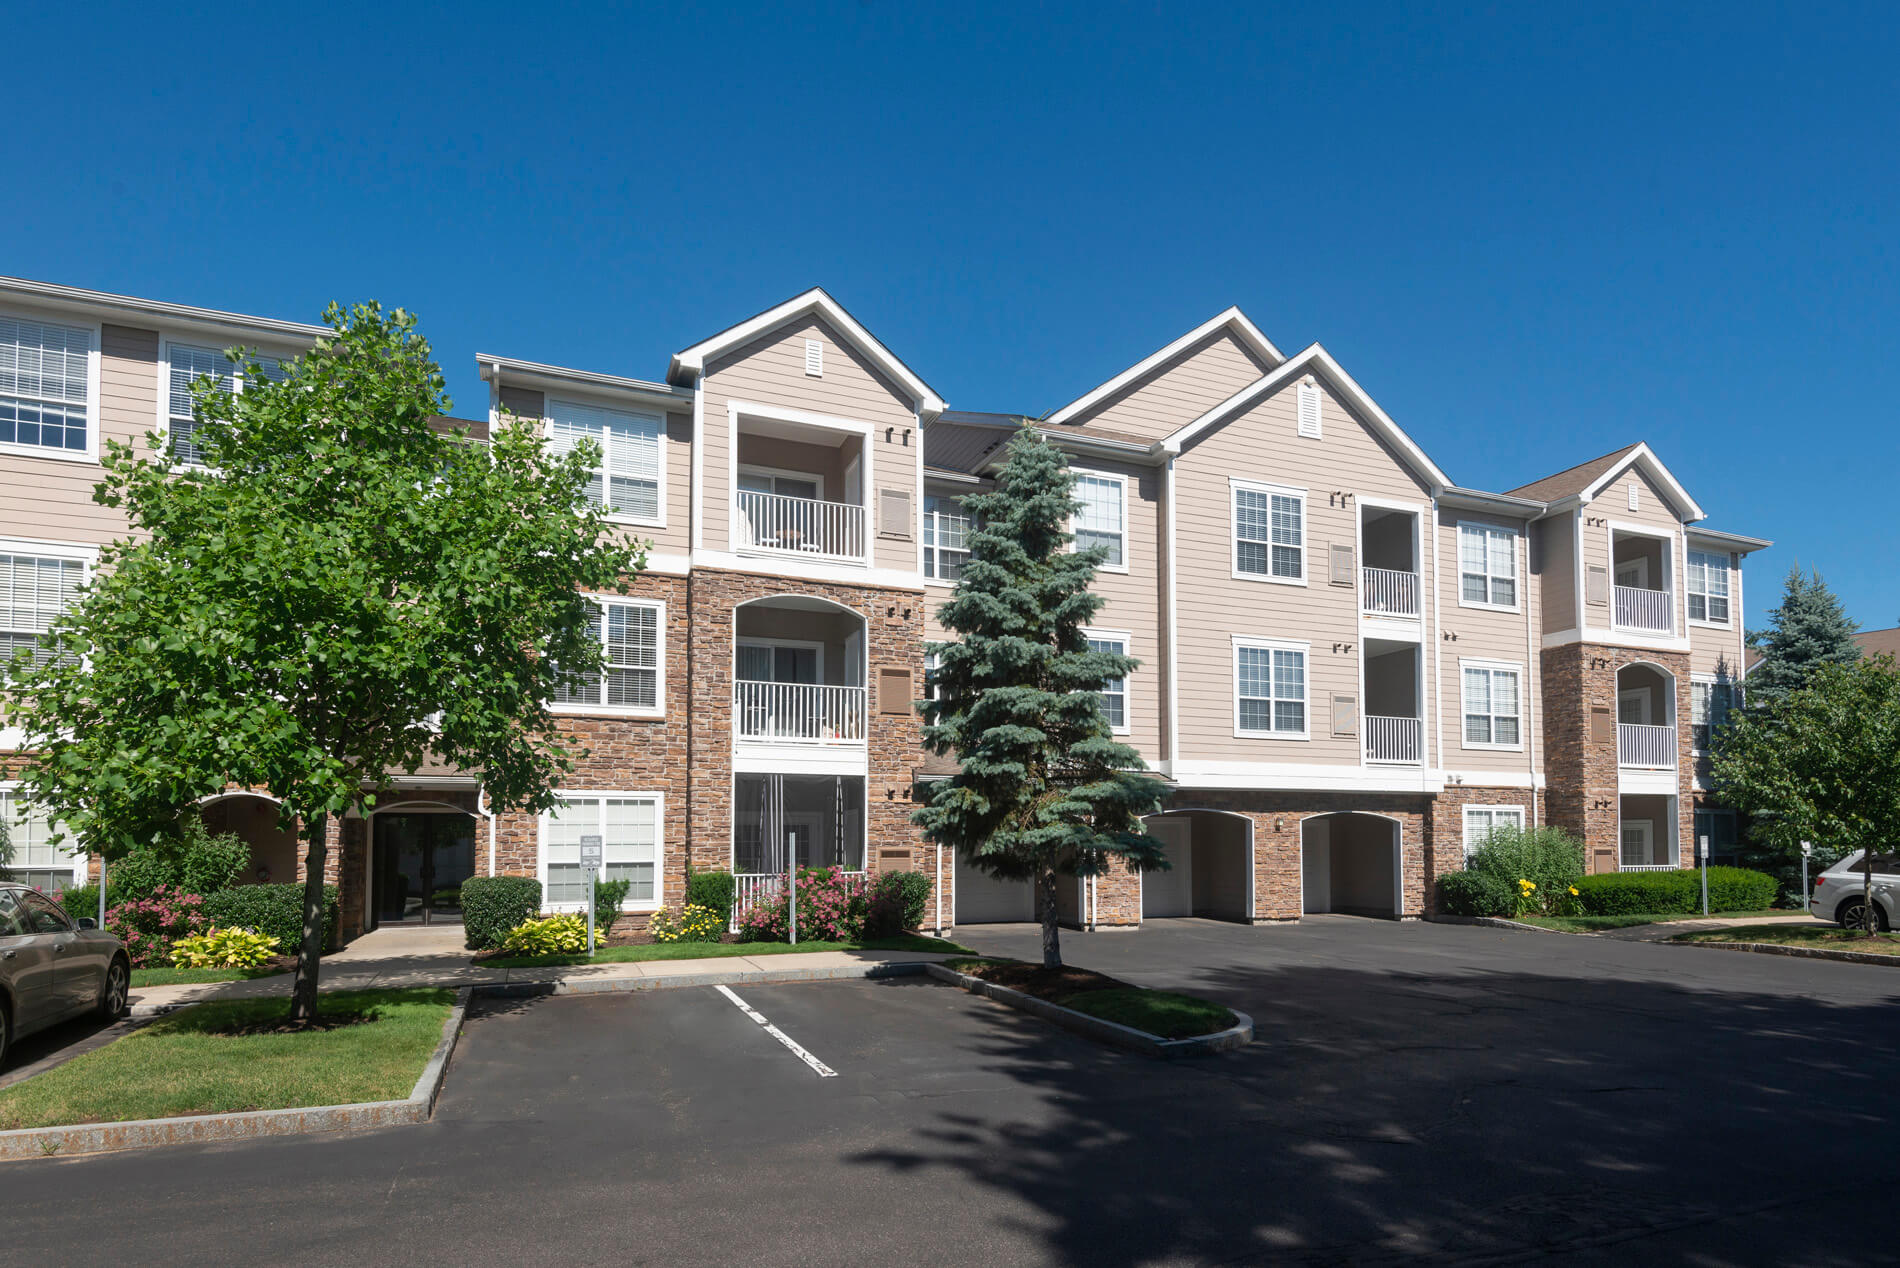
1533, 238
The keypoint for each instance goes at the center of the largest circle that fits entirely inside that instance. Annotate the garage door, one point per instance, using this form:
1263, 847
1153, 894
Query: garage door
1170, 893
983, 900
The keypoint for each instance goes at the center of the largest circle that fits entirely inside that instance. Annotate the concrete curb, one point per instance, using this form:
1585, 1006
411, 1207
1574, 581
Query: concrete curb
1493, 922
617, 985
1806, 953
1113, 1033
200, 1129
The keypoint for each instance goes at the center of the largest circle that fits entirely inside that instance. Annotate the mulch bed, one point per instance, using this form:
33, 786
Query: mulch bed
1054, 985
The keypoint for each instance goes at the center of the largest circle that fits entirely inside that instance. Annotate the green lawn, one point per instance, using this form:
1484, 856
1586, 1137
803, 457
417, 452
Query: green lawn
1161, 1013
717, 950
183, 977
185, 1064
1831, 937
1594, 924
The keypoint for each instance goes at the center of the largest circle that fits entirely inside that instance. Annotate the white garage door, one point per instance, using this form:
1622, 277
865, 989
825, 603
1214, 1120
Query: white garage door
1170, 893
984, 900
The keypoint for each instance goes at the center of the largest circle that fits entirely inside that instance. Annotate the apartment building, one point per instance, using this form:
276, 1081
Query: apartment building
1351, 666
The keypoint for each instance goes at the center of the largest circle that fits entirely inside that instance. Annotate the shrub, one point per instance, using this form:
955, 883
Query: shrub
557, 935
273, 910
197, 862
1549, 858
831, 908
608, 895
1739, 889
149, 926
83, 900
694, 924
1474, 894
896, 904
492, 905
1638, 894
711, 889
224, 949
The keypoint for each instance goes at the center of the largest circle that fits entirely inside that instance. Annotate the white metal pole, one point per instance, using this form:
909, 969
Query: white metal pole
791, 875
1705, 873
1807, 893
592, 893
102, 891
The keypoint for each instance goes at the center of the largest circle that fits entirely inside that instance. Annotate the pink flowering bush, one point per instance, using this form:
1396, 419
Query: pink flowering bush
831, 908
149, 926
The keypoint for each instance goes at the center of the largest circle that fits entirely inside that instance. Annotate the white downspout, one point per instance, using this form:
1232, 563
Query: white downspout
939, 889
1532, 669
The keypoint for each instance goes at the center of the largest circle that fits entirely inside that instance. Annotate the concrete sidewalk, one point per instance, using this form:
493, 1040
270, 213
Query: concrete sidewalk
1665, 931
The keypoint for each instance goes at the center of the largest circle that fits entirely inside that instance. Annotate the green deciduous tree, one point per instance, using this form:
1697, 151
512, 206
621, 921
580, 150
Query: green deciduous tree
1822, 763
1808, 630
342, 591
1044, 789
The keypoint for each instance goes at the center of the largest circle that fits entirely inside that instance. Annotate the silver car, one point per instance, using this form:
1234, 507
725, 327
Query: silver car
52, 969
1840, 893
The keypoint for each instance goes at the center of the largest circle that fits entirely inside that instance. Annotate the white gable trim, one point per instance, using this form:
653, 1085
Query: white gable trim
1317, 359
689, 364
1654, 468
1232, 320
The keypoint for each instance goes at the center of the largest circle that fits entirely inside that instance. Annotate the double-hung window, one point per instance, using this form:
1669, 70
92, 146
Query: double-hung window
1720, 828
33, 591
1270, 689
628, 825
45, 371
1480, 820
627, 481
1269, 532
36, 860
1487, 565
1708, 587
629, 680
1114, 692
946, 537
1491, 707
188, 364
1709, 705
1103, 517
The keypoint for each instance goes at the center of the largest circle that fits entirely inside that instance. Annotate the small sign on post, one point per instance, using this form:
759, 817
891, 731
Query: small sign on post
1807, 894
590, 867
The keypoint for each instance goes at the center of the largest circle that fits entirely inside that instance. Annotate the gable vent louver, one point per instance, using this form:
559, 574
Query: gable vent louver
814, 359
1309, 409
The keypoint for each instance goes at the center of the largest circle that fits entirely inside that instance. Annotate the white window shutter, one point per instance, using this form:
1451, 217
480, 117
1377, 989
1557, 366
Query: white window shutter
814, 359
1309, 410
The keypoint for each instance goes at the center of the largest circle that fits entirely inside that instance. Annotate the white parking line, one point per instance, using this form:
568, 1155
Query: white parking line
823, 1071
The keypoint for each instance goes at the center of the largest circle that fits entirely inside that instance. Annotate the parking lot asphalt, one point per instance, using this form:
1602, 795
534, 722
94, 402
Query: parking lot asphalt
1416, 1092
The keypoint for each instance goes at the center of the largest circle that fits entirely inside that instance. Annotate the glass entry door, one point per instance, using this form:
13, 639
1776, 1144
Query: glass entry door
420, 863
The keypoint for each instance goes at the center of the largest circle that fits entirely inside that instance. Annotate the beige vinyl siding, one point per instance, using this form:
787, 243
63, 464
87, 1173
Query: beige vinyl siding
1134, 599
676, 463
1654, 511
50, 499
1554, 555
1177, 393
1715, 648
526, 402
1262, 444
1471, 633
771, 371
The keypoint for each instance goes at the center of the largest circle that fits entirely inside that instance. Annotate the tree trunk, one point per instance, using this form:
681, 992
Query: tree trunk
303, 992
1872, 918
1046, 908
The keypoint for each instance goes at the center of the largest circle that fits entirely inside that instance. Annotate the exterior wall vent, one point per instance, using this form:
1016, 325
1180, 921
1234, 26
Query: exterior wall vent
1309, 409
1345, 713
893, 513
814, 359
894, 694
1341, 557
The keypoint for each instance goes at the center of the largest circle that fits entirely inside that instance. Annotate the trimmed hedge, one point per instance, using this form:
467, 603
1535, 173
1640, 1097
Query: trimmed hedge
1474, 894
492, 905
897, 904
1677, 893
197, 862
712, 889
276, 910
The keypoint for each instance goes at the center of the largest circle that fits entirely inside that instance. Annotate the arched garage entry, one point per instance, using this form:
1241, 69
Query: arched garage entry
253, 817
1349, 863
1210, 853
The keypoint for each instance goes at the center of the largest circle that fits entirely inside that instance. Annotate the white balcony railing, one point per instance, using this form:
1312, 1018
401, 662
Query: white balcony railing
1646, 867
752, 888
1649, 611
798, 712
798, 526
1649, 746
1399, 740
1385, 592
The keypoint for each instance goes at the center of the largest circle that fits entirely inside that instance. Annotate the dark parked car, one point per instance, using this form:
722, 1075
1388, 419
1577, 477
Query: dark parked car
52, 969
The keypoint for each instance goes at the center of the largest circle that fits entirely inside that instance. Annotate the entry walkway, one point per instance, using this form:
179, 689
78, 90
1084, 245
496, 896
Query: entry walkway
1666, 930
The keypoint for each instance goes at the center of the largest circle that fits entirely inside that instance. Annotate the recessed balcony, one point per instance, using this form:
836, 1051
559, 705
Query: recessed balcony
799, 491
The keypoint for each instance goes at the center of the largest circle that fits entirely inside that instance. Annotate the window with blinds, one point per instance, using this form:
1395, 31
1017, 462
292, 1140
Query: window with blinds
44, 373
628, 825
1103, 519
1270, 690
33, 591
1114, 692
1491, 707
1269, 533
946, 537
1708, 587
629, 679
1487, 565
36, 860
186, 365
627, 481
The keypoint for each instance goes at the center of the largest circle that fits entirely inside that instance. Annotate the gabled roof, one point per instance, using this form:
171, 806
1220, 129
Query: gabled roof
689, 363
1232, 320
1585, 481
74, 296
1320, 362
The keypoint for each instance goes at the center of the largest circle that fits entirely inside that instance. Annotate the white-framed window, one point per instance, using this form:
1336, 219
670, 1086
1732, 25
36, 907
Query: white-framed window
932, 662
36, 860
1708, 587
946, 537
1487, 566
34, 590
1269, 532
628, 825
1709, 703
46, 387
1270, 688
1103, 518
627, 483
632, 634
1480, 820
1114, 693
1492, 705
184, 364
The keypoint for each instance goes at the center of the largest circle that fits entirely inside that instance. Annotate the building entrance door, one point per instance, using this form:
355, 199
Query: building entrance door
420, 863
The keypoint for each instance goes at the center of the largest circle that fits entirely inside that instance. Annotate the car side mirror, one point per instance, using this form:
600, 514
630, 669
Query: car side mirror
87, 922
